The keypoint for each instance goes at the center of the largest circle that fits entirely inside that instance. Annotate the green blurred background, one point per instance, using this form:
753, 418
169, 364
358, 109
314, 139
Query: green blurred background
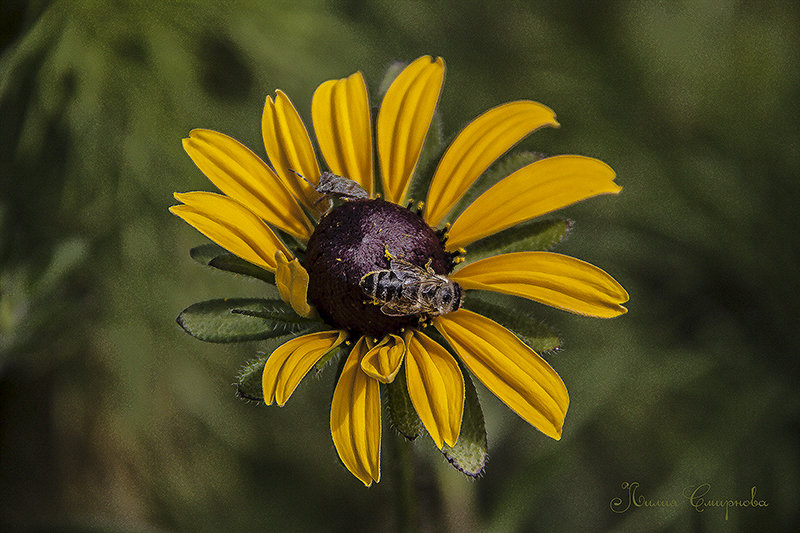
112, 418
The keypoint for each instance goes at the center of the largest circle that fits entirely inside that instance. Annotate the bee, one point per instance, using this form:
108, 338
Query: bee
407, 289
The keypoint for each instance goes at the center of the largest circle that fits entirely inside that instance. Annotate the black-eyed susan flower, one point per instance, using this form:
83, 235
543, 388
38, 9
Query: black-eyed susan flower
321, 251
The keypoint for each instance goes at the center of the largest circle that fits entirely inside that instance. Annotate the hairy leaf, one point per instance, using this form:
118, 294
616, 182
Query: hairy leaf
470, 451
218, 257
241, 319
248, 380
533, 236
506, 166
402, 415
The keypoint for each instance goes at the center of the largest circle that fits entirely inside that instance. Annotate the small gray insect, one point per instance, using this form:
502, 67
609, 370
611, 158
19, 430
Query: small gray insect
406, 289
333, 186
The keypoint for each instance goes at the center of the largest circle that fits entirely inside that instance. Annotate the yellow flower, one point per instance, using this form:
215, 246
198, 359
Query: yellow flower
363, 236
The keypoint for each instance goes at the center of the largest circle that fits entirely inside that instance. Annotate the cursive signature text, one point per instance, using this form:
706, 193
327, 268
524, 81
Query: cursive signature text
697, 496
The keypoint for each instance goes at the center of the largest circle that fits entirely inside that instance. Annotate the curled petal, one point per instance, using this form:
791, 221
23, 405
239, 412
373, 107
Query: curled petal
356, 418
340, 111
243, 176
382, 361
292, 360
533, 190
403, 121
553, 279
232, 226
289, 148
436, 388
509, 368
292, 282
477, 146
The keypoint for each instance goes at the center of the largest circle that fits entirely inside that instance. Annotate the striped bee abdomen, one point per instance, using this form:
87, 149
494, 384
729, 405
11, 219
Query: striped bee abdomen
382, 285
406, 289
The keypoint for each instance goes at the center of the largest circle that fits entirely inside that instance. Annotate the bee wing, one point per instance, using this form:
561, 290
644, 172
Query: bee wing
430, 285
404, 267
400, 307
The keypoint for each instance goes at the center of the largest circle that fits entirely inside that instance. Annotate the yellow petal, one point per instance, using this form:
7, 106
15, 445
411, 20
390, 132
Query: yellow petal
356, 419
292, 282
232, 226
553, 279
436, 388
292, 360
243, 176
509, 368
289, 148
533, 190
477, 146
403, 121
340, 111
382, 361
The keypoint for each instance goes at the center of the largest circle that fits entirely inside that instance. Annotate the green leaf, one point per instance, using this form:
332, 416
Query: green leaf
241, 319
470, 451
495, 173
217, 257
432, 151
325, 359
204, 253
402, 415
248, 380
340, 366
539, 235
392, 71
511, 164
531, 331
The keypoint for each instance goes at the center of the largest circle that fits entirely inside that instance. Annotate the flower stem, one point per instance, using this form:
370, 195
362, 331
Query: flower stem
405, 486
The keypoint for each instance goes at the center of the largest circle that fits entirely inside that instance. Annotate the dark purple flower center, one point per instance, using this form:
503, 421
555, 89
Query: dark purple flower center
352, 241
